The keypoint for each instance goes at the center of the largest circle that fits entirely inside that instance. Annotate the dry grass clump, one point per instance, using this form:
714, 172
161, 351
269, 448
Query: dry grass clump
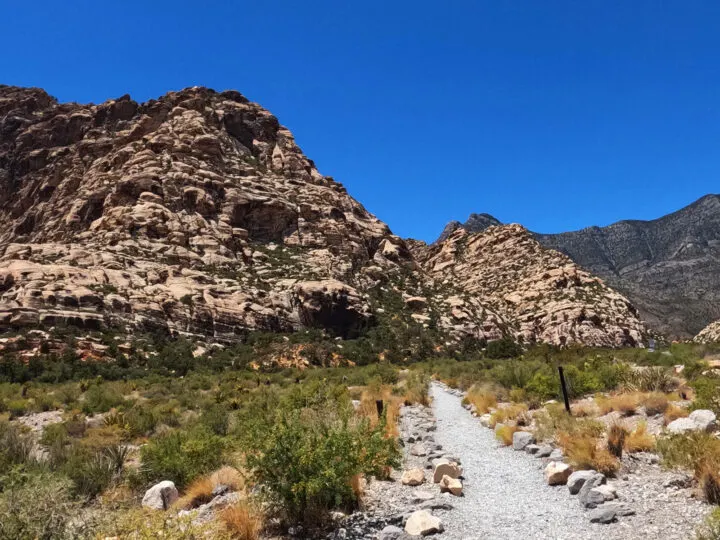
625, 404
655, 403
512, 412
391, 411
242, 520
583, 450
505, 434
616, 439
673, 412
639, 440
483, 400
200, 490
700, 452
584, 409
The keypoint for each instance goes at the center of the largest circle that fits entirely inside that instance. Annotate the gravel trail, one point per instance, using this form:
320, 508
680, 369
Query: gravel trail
505, 494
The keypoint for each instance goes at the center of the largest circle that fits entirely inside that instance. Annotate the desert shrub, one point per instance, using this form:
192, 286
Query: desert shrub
505, 433
484, 400
639, 440
544, 386
15, 446
416, 388
707, 393
689, 450
242, 520
583, 409
655, 403
673, 412
140, 420
625, 404
40, 506
503, 348
650, 379
583, 451
140, 524
90, 471
709, 482
616, 439
17, 407
510, 413
307, 458
181, 456
100, 398
216, 418
581, 382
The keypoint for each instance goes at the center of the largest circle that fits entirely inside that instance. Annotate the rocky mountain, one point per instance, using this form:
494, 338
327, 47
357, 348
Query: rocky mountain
540, 293
475, 223
197, 214
709, 334
668, 267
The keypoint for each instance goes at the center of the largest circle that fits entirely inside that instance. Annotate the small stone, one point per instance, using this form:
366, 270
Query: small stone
412, 477
556, 455
485, 420
418, 450
557, 473
603, 515
436, 505
160, 496
521, 439
423, 523
452, 485
577, 479
587, 500
220, 489
544, 451
444, 467
621, 509
532, 449
391, 532
422, 496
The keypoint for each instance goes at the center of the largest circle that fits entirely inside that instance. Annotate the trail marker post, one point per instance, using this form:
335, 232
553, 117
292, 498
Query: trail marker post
380, 406
564, 389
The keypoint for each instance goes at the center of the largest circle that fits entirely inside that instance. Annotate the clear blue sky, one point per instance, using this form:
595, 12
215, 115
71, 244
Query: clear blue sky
557, 115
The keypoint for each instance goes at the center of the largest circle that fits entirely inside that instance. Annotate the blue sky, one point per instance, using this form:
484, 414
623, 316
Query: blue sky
557, 115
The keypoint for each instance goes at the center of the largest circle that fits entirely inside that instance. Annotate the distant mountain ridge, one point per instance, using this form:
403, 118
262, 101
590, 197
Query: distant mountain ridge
668, 267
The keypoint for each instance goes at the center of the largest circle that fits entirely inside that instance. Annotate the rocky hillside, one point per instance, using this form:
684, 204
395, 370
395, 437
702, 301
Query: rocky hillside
541, 293
709, 334
197, 214
668, 267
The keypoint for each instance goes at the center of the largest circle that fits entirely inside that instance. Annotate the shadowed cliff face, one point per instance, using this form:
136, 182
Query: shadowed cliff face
197, 214
669, 267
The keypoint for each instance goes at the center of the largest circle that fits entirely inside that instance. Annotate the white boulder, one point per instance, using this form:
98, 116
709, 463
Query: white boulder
423, 523
161, 496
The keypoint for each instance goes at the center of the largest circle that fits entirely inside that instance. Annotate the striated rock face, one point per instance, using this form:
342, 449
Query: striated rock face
540, 293
195, 213
668, 267
709, 334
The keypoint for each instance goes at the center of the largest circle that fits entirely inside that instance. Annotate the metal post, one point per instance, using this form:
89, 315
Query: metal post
380, 406
564, 389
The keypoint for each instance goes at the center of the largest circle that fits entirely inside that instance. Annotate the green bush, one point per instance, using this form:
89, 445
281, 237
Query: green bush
40, 507
100, 398
90, 472
503, 348
15, 446
707, 393
181, 456
216, 418
308, 458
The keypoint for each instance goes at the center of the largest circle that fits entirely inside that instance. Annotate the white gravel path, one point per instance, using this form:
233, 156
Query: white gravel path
506, 496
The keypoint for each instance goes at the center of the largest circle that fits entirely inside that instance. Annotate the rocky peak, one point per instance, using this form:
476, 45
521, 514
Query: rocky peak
540, 293
475, 223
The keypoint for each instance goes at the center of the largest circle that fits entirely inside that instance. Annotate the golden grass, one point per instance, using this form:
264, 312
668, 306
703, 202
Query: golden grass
673, 412
482, 399
242, 520
511, 413
655, 403
616, 439
505, 433
709, 482
625, 404
584, 409
200, 490
357, 484
392, 403
584, 452
639, 440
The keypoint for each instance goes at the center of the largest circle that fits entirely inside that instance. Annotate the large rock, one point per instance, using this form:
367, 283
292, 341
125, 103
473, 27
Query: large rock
161, 496
521, 439
443, 467
586, 499
413, 477
423, 523
577, 479
705, 419
452, 485
557, 473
